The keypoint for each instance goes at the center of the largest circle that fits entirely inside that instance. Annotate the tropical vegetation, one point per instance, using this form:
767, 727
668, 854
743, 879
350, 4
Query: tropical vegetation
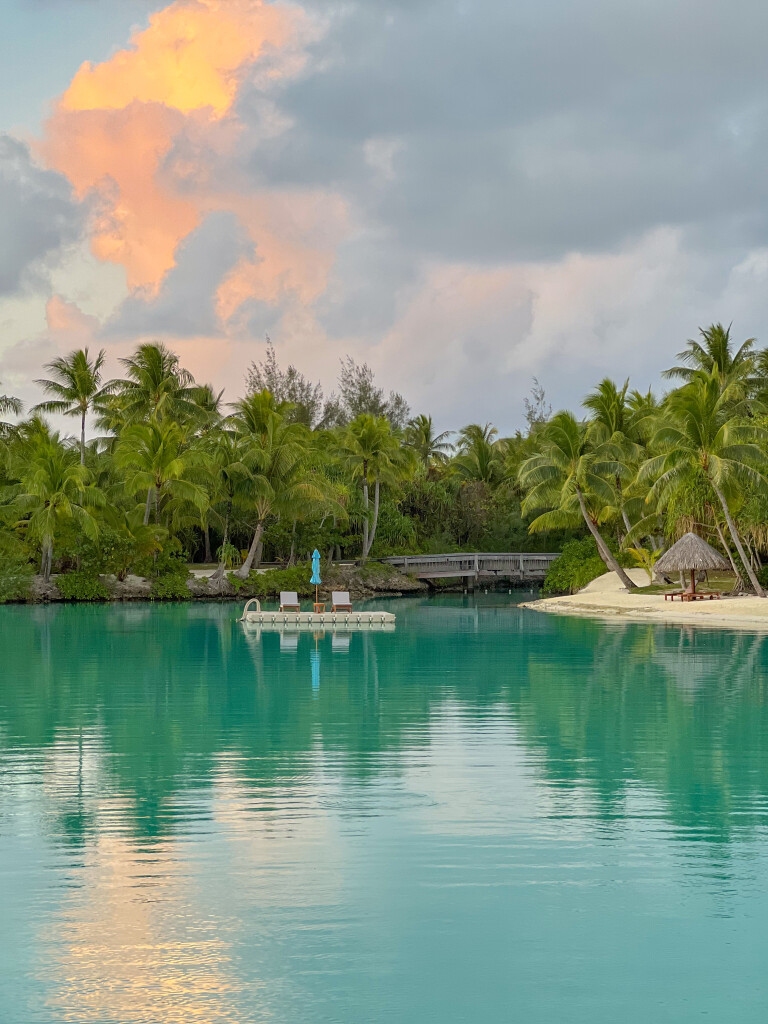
164, 472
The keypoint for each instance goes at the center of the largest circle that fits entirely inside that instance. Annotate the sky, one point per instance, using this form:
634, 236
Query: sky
465, 195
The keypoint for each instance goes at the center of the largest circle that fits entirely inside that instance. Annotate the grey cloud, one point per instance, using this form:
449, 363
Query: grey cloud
186, 301
530, 129
38, 216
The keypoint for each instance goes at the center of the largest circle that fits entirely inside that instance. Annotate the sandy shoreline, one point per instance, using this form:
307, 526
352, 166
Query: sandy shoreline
606, 598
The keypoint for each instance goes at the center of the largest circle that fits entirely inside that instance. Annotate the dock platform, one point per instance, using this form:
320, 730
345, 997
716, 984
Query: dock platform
317, 620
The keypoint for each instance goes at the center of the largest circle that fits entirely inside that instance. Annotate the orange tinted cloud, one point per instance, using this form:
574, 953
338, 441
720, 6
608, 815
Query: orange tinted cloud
187, 59
64, 317
138, 221
118, 122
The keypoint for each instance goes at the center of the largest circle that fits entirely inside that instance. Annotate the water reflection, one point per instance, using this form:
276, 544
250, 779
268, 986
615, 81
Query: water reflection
213, 817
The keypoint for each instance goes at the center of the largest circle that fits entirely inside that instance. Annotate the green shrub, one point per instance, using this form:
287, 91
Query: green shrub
167, 574
15, 579
577, 566
81, 586
271, 582
171, 587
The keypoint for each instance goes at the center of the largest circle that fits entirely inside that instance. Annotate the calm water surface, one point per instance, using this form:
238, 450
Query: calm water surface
488, 816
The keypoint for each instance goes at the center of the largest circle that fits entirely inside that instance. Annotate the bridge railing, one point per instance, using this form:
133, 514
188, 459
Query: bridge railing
518, 563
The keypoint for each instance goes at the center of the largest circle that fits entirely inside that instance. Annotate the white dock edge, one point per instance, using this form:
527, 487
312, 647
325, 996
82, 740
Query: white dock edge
309, 620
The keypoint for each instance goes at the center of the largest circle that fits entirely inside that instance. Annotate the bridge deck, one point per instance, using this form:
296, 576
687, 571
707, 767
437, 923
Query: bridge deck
511, 565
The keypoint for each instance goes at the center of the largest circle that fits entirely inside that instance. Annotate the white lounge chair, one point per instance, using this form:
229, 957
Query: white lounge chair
340, 599
289, 599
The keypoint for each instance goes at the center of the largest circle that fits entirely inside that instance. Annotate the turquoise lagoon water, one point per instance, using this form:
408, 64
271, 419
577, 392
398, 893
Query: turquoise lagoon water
490, 815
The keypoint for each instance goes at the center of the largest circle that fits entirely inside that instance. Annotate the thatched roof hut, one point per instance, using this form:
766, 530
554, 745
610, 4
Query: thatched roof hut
692, 553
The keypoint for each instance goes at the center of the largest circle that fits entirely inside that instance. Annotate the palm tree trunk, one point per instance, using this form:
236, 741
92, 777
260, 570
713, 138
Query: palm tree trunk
47, 559
148, 506
365, 506
292, 555
375, 523
82, 439
208, 556
219, 574
727, 550
603, 549
737, 541
253, 551
624, 516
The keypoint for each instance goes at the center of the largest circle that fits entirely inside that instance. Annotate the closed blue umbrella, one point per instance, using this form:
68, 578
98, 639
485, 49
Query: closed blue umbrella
315, 581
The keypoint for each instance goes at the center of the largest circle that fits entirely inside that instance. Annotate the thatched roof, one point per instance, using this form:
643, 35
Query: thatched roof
691, 552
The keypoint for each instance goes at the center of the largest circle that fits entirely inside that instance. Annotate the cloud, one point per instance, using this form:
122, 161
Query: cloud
38, 214
186, 301
138, 132
462, 194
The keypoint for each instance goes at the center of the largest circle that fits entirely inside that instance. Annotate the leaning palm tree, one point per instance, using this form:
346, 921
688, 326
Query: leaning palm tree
572, 476
428, 446
75, 385
714, 353
703, 438
53, 488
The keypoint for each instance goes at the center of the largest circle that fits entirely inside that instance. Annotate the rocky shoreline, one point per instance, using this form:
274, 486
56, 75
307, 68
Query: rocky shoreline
362, 582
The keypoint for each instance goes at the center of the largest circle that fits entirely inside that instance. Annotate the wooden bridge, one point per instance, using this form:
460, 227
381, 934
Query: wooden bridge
519, 566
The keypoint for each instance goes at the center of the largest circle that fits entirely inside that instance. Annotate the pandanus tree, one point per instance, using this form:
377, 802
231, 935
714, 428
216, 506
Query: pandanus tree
76, 388
572, 476
703, 437
53, 488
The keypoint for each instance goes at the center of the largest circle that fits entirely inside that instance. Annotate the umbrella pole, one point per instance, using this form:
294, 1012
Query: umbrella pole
693, 581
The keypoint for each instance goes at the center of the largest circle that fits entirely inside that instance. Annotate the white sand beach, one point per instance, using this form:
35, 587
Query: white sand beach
606, 597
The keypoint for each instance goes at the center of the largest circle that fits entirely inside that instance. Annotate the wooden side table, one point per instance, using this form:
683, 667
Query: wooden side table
318, 608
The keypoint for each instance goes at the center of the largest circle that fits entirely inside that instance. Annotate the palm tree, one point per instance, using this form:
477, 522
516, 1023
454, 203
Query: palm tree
702, 437
276, 454
155, 385
480, 454
371, 451
76, 385
11, 405
428, 446
230, 475
53, 487
570, 475
714, 353
613, 421
158, 459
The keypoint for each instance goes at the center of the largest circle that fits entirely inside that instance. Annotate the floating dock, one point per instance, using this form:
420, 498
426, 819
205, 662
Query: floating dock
317, 620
